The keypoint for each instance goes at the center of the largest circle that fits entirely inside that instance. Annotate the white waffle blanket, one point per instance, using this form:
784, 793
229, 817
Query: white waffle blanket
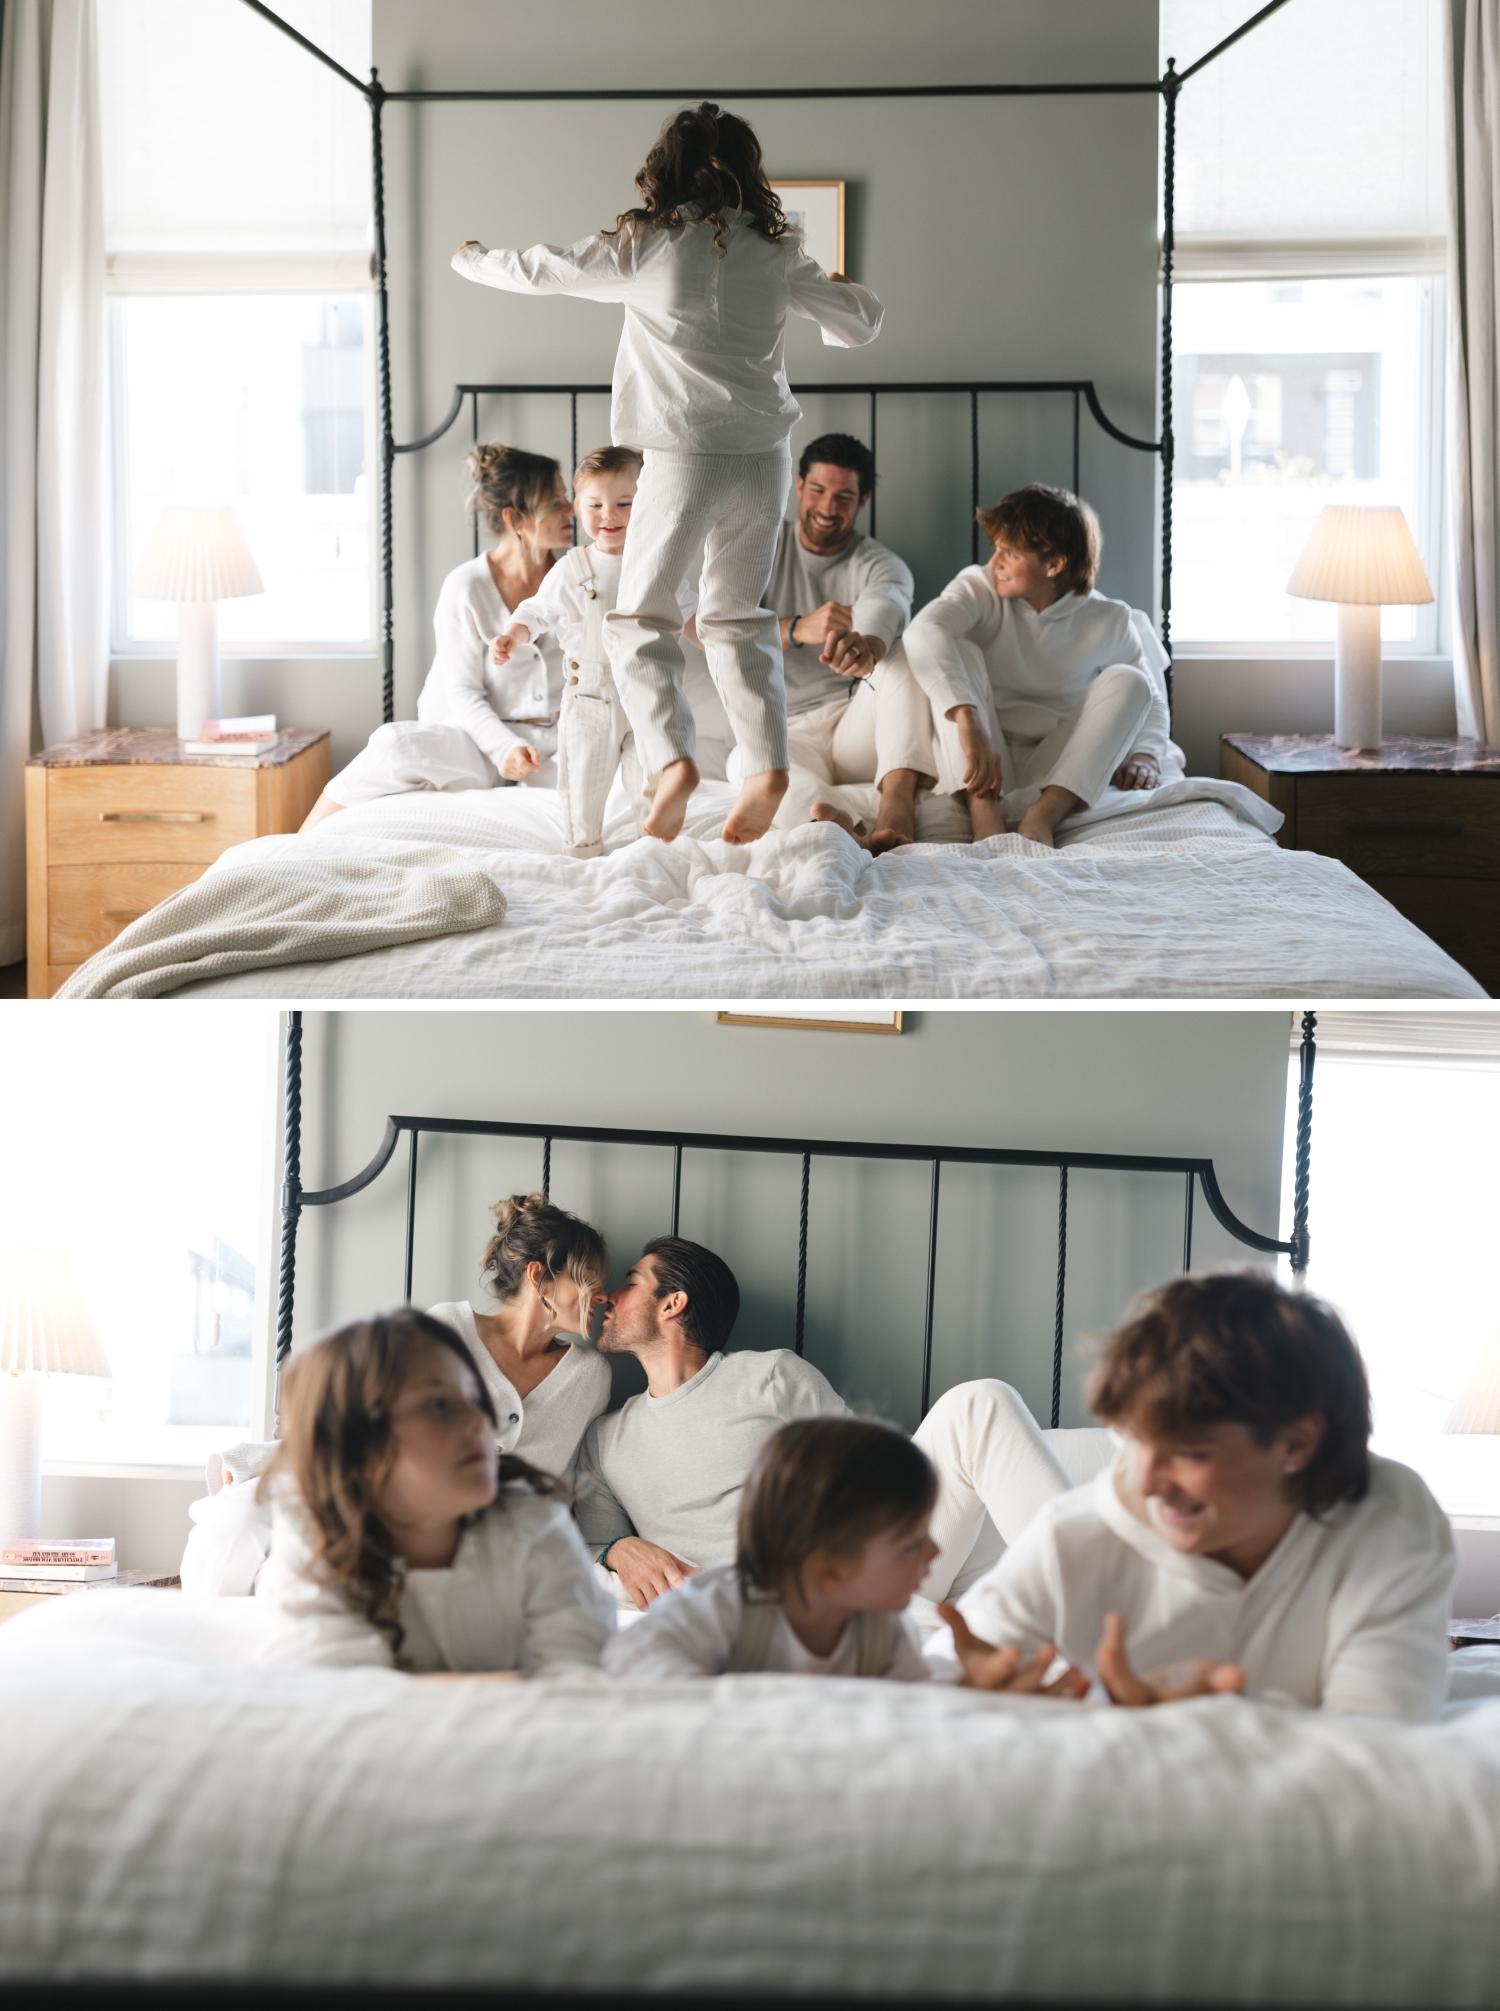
165, 1819
1180, 894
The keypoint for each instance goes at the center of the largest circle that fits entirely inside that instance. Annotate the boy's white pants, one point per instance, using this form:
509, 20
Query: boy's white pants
885, 723
593, 734
1081, 752
731, 504
995, 1470
411, 754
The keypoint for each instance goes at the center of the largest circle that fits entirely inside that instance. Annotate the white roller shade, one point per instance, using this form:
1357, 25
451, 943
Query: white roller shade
1325, 122
233, 159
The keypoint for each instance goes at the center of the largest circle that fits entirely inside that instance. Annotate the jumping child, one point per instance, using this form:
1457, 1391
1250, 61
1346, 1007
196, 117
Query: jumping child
399, 1538
832, 1544
708, 270
593, 734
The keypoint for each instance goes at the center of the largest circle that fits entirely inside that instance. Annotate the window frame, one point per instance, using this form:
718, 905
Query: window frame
135, 275
1220, 261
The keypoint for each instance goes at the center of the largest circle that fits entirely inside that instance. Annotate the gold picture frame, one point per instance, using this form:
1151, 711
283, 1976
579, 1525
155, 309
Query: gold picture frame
819, 217
856, 1019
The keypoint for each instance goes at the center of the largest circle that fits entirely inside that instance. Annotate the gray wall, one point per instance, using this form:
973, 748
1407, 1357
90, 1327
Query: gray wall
1008, 238
1199, 1083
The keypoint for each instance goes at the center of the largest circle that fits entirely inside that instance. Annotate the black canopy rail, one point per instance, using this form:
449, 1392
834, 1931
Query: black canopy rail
1197, 1174
375, 94
1080, 389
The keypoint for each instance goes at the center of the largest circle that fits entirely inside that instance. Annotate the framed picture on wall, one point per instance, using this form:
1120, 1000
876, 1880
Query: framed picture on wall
820, 1019
816, 210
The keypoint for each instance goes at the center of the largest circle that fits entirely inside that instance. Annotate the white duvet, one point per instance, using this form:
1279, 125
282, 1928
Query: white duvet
194, 1818
1180, 895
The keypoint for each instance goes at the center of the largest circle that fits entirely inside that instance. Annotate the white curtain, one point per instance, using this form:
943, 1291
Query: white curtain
54, 490
1473, 76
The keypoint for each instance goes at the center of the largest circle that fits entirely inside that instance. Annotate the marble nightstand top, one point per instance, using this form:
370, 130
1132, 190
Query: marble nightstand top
1315, 754
158, 746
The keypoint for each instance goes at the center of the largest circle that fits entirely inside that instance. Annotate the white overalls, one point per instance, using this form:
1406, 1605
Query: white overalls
593, 734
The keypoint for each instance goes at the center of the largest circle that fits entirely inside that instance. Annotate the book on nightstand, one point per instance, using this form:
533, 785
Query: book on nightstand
251, 735
79, 1559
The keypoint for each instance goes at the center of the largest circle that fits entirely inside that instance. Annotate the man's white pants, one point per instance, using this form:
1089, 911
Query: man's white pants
732, 505
1080, 752
884, 723
411, 754
995, 1470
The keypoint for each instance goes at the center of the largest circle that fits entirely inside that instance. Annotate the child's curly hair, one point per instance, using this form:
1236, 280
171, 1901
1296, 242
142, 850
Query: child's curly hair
710, 160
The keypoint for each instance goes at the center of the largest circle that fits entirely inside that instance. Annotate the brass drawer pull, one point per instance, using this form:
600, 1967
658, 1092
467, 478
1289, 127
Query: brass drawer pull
154, 817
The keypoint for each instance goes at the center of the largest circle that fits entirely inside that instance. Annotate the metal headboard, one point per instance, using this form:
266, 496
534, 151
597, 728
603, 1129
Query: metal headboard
1196, 1174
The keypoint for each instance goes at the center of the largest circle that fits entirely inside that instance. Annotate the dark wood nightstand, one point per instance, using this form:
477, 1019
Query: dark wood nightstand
118, 820
1419, 820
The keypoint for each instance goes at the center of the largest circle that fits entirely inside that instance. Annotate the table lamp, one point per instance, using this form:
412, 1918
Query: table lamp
1362, 556
46, 1328
197, 557
1478, 1405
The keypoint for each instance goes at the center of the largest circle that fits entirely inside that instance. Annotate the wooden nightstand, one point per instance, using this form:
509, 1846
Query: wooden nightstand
118, 820
16, 1594
1419, 820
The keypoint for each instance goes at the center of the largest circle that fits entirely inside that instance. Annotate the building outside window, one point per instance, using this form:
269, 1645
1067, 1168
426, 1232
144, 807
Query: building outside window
1308, 349
237, 233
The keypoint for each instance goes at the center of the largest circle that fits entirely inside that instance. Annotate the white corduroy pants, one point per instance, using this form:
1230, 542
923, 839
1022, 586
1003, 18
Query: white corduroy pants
992, 1461
885, 723
1081, 752
732, 505
594, 739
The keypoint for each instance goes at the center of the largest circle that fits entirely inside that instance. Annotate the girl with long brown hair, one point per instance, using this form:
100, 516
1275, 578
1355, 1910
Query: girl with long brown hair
400, 1538
708, 270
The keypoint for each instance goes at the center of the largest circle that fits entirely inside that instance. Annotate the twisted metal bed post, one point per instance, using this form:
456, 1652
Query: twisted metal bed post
1171, 84
1301, 1241
291, 1188
376, 96
1062, 1289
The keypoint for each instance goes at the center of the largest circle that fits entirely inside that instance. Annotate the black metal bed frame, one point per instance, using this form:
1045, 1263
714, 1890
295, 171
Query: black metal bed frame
1196, 1173
377, 97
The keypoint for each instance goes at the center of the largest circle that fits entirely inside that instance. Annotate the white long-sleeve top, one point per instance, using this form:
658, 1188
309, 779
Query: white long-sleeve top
865, 576
700, 367
545, 1428
556, 609
692, 1630
519, 1594
1039, 666
464, 688
1349, 1612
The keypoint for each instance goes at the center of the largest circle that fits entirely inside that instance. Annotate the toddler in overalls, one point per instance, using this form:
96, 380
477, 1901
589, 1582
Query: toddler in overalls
594, 739
708, 271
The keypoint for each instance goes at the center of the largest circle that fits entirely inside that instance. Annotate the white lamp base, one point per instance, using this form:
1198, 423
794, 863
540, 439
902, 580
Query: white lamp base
20, 1455
1356, 678
197, 666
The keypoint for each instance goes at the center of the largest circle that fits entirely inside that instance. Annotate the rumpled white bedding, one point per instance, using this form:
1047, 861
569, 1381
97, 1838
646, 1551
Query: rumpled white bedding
165, 1817
1179, 894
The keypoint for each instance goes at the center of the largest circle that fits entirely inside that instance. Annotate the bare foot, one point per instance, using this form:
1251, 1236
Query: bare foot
896, 815
986, 816
674, 788
882, 839
324, 807
758, 801
1040, 822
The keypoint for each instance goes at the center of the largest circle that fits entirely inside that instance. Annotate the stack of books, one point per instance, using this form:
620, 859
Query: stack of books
80, 1560
249, 736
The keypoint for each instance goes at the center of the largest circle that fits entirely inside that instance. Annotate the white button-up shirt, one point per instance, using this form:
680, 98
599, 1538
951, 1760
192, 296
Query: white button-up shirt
700, 367
464, 688
1039, 665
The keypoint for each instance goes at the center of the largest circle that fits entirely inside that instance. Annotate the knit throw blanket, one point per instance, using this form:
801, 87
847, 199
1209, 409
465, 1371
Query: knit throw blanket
333, 901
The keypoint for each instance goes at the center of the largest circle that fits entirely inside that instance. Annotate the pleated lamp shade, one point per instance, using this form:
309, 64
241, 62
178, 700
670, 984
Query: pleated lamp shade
1361, 555
1478, 1406
196, 555
45, 1322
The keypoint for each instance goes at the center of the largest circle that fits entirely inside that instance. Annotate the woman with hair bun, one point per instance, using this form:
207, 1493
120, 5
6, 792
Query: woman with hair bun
480, 725
545, 1267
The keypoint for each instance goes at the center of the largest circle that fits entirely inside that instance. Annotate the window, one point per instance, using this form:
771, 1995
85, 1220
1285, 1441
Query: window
237, 233
1405, 1193
146, 1159
1308, 318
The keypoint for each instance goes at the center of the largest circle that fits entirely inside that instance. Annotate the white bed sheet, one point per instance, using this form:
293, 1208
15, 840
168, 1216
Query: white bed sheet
168, 1813
1178, 895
